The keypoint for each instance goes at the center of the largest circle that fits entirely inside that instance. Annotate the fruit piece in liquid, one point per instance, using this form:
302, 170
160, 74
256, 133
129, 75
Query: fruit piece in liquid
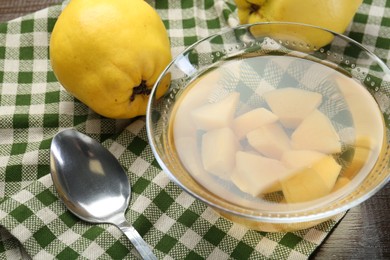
349, 106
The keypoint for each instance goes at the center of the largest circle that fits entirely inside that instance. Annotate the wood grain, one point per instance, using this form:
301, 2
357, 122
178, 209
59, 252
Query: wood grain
10, 9
364, 232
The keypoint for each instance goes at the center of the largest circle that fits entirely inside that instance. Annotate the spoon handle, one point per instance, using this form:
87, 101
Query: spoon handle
135, 238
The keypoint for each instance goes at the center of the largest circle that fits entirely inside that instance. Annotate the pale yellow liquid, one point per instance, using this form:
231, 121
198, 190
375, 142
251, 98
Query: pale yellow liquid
253, 77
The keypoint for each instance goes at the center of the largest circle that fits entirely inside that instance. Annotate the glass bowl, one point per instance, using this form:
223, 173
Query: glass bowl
253, 60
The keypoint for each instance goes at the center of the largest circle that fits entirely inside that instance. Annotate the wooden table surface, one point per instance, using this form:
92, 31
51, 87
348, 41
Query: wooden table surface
364, 232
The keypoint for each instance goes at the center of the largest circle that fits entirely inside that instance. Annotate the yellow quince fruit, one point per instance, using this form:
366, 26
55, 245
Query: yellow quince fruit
109, 53
334, 15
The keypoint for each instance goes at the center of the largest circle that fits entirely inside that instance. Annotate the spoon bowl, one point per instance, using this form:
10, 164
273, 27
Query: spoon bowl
92, 184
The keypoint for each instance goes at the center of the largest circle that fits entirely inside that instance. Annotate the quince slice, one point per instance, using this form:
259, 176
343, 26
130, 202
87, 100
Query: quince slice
251, 120
218, 151
216, 115
271, 140
311, 182
292, 105
317, 133
297, 159
255, 174
340, 183
367, 118
190, 99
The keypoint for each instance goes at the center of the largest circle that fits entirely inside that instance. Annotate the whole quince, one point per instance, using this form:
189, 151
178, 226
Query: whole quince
334, 15
109, 53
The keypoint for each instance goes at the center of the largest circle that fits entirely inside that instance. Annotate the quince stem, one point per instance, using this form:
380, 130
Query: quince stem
142, 89
253, 8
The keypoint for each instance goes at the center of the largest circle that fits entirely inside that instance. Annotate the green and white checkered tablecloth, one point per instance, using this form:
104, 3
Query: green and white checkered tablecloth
34, 107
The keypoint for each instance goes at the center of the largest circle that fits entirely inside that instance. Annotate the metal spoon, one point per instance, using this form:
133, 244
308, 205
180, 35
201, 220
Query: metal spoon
92, 183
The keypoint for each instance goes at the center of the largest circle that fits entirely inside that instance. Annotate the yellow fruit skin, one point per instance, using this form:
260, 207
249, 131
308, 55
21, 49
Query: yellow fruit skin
100, 50
334, 15
331, 14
